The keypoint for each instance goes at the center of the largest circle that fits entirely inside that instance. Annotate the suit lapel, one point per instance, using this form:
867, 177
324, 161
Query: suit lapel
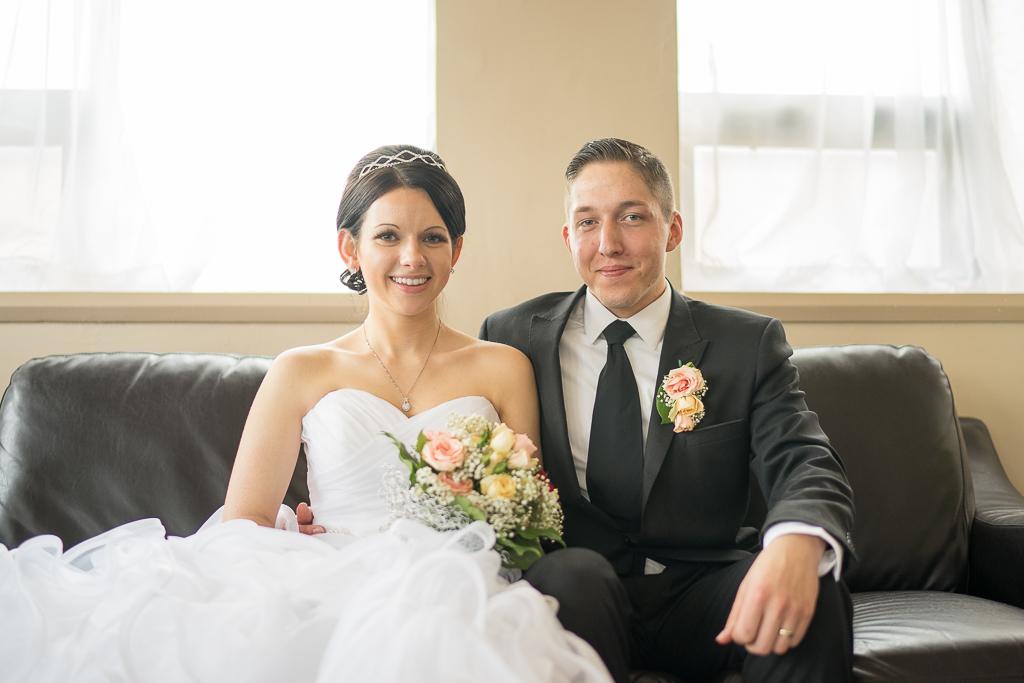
545, 332
681, 343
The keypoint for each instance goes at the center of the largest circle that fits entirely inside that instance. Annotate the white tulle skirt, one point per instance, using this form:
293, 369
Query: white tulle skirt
240, 602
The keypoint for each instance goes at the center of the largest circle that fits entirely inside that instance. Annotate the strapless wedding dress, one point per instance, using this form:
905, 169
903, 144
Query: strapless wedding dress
368, 601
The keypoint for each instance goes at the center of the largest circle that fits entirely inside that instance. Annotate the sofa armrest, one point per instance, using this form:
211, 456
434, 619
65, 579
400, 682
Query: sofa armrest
997, 534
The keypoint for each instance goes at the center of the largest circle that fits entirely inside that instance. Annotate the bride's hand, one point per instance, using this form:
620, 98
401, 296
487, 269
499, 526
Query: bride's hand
304, 516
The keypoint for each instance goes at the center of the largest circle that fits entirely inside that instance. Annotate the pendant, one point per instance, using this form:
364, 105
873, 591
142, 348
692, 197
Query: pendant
406, 406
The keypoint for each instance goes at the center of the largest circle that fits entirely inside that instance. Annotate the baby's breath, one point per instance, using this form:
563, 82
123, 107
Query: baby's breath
422, 504
429, 496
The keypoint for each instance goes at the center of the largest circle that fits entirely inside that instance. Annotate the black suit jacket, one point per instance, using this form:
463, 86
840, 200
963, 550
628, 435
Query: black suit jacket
696, 484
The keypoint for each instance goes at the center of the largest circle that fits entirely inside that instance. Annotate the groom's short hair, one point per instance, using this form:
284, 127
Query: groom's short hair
650, 168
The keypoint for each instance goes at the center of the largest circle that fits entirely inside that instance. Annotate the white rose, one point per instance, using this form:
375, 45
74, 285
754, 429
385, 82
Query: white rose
502, 439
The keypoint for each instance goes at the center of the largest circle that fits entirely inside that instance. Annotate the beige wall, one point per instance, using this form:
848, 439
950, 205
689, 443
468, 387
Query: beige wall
521, 84
21, 341
520, 87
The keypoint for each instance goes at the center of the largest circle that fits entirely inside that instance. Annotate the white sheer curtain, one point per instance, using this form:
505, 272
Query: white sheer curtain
852, 147
199, 145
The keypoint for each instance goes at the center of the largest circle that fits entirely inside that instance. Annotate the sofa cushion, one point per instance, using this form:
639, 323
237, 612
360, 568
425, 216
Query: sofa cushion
91, 441
888, 411
923, 636
930, 636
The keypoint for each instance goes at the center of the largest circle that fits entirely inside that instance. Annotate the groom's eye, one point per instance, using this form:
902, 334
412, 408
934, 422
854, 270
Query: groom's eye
586, 223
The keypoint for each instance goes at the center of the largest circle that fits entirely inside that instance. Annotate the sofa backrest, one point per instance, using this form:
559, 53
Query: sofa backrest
91, 441
889, 412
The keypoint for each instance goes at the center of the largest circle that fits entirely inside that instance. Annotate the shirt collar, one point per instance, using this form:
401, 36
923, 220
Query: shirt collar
649, 323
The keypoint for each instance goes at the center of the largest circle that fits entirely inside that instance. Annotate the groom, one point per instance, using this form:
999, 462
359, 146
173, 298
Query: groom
659, 572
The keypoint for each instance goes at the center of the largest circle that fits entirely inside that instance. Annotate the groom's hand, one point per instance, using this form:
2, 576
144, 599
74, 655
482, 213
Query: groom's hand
779, 591
304, 516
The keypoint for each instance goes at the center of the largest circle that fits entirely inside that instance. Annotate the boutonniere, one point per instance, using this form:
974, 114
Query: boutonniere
679, 398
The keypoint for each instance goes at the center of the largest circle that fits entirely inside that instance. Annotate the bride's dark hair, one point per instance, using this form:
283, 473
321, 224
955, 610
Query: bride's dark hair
388, 168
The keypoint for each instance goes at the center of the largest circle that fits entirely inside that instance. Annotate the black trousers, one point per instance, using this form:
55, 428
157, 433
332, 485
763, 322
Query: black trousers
668, 622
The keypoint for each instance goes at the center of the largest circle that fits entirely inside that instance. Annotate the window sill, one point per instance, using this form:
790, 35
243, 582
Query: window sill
124, 307
875, 308
110, 307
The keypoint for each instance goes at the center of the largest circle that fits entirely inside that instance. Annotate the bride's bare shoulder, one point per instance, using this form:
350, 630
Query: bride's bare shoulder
505, 376
493, 354
309, 359
308, 372
315, 358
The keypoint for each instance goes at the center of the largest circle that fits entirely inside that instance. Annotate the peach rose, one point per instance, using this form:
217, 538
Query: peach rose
684, 411
498, 486
524, 443
442, 451
456, 487
683, 423
683, 381
687, 405
520, 460
502, 439
521, 457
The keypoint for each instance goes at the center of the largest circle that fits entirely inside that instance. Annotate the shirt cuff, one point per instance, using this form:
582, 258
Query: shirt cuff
831, 560
653, 566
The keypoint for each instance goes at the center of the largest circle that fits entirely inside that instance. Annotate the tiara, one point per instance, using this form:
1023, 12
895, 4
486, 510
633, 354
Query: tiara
403, 157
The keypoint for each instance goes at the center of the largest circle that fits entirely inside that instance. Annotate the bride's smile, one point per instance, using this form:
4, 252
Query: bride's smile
409, 282
403, 249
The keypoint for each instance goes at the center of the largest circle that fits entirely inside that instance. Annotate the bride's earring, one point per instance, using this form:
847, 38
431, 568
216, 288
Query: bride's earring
452, 271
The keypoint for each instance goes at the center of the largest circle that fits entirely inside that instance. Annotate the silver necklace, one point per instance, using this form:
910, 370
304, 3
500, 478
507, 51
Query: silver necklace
406, 403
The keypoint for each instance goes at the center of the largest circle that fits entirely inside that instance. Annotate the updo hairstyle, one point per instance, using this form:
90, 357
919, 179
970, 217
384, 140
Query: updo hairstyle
388, 168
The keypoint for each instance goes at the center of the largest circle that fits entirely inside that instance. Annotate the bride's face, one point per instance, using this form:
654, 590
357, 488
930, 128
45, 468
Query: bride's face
403, 250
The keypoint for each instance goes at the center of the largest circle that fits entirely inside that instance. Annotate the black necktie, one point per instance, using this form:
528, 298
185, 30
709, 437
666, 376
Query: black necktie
615, 461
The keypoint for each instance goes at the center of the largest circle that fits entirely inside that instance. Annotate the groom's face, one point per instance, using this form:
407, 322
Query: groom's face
618, 235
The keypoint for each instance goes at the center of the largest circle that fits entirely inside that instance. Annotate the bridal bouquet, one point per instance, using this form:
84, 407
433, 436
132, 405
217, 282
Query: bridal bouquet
479, 470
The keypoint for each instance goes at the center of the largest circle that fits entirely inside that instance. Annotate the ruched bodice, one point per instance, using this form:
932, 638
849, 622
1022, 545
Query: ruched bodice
347, 452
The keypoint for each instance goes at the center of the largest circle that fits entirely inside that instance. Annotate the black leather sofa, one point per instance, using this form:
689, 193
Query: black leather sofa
91, 441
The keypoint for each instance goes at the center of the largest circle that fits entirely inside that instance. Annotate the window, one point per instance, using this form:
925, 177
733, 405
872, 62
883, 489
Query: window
847, 147
196, 146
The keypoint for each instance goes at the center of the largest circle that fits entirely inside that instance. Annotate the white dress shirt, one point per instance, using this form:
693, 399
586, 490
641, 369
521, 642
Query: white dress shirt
582, 353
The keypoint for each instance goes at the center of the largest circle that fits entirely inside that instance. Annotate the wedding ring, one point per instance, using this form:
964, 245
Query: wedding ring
785, 633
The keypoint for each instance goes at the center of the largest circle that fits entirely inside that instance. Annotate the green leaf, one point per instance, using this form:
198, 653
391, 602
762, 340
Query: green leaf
501, 467
484, 438
405, 456
421, 440
521, 554
537, 534
473, 511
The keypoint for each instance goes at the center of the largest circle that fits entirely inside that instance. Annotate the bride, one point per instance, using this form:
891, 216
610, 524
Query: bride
242, 600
